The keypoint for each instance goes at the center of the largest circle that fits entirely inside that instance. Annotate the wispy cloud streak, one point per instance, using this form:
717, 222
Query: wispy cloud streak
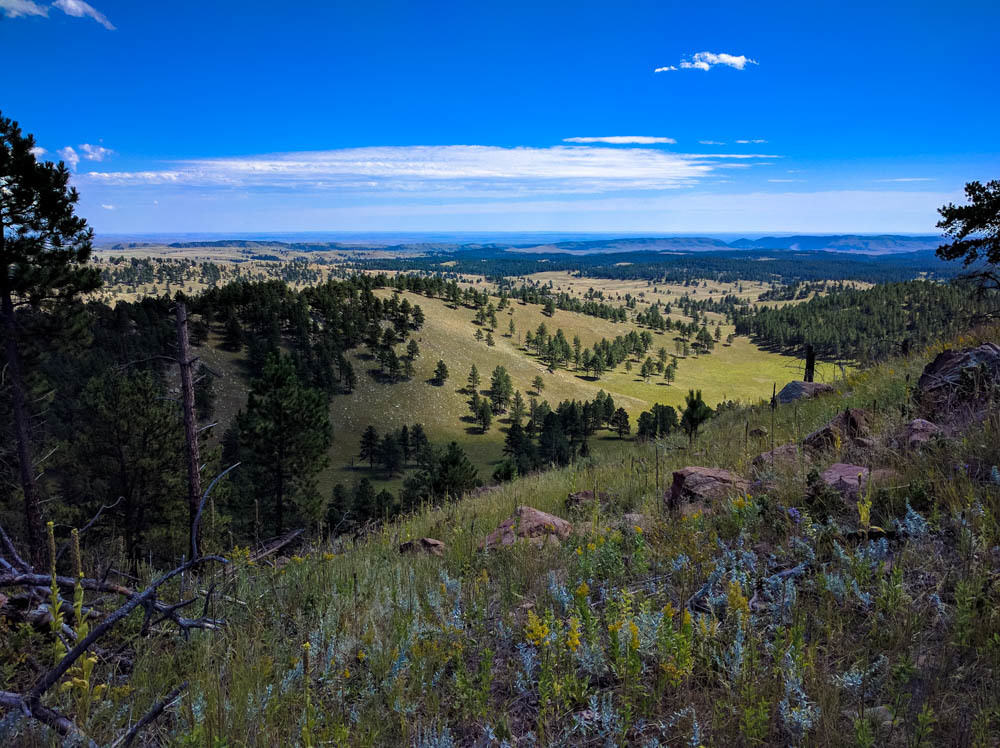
435, 169
623, 140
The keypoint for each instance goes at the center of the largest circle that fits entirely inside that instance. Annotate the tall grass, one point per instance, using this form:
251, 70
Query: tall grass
772, 619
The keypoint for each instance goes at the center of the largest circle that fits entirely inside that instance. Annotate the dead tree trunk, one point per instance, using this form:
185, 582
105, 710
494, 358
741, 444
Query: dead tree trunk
810, 364
34, 533
185, 363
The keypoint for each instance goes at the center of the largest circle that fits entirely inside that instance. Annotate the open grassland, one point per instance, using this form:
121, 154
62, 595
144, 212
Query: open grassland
741, 372
749, 624
647, 291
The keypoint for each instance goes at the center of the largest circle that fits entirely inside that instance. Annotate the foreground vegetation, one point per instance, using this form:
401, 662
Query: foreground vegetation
774, 617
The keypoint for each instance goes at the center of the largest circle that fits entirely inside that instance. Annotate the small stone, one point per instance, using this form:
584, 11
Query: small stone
845, 479
786, 454
918, 432
580, 498
846, 427
849, 480
423, 547
634, 519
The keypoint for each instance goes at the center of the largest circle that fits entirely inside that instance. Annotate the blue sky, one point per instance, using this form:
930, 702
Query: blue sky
400, 116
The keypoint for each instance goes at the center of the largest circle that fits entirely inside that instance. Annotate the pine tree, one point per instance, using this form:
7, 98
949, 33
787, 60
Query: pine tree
126, 455
620, 423
369, 446
484, 414
474, 379
44, 253
364, 501
287, 428
696, 412
440, 373
412, 349
349, 377
501, 389
538, 384
390, 454
517, 408
403, 437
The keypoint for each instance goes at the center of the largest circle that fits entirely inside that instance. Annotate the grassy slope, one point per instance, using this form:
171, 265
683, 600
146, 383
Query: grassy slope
742, 372
386, 647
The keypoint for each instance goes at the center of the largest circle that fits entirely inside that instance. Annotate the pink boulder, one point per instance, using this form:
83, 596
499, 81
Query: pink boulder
529, 524
701, 484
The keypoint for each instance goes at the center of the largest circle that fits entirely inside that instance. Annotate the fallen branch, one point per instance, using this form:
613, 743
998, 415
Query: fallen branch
151, 716
58, 722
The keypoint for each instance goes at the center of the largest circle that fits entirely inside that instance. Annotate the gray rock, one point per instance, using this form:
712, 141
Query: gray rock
802, 390
423, 547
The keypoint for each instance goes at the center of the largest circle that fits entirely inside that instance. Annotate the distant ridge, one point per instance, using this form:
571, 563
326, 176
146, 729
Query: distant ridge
882, 244
876, 245
855, 243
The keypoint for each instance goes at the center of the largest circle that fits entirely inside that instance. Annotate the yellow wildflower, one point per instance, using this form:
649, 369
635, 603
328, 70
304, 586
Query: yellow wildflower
583, 590
573, 635
536, 631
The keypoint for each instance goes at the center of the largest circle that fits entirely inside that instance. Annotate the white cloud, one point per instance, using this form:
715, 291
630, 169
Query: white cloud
69, 156
907, 179
80, 9
434, 170
785, 180
107, 206
708, 60
94, 152
756, 140
17, 8
711, 142
37, 151
622, 140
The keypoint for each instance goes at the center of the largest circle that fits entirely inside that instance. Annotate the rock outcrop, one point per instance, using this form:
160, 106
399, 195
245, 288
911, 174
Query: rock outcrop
585, 498
802, 390
703, 485
423, 547
530, 524
847, 428
849, 480
959, 379
786, 454
918, 432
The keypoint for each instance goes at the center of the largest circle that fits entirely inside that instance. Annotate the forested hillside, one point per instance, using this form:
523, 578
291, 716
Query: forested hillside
868, 324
